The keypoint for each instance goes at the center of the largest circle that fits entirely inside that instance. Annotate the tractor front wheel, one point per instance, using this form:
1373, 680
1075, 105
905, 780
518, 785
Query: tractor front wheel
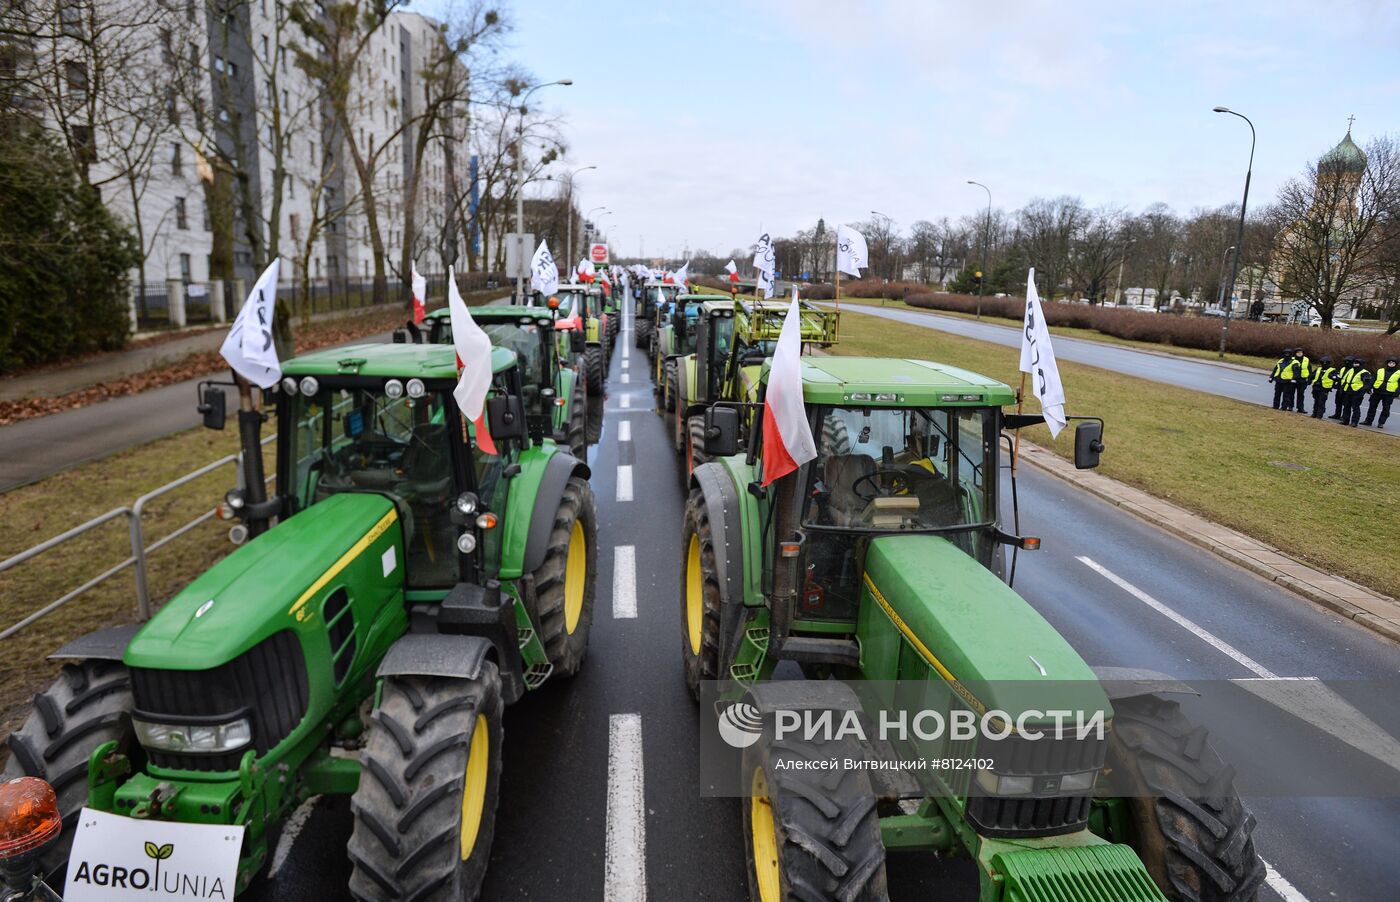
642, 328
564, 583
89, 704
694, 446
430, 776
672, 384
593, 369
577, 428
1188, 825
809, 837
699, 596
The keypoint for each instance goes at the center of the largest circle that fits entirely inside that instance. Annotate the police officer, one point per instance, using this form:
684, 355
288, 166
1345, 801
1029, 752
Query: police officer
1357, 383
1385, 385
1302, 375
1322, 383
1343, 379
1283, 392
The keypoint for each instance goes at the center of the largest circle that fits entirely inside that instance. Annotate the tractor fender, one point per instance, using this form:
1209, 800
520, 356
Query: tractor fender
723, 501
436, 654
803, 695
695, 409
1130, 682
557, 472
107, 644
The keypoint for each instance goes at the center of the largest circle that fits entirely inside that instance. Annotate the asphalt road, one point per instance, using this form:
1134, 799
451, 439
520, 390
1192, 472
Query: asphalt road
600, 774
1198, 375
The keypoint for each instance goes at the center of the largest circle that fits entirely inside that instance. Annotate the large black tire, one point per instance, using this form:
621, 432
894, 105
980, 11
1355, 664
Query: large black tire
642, 332
88, 704
563, 604
1189, 826
694, 447
836, 438
415, 771
593, 369
699, 596
825, 825
672, 384
577, 427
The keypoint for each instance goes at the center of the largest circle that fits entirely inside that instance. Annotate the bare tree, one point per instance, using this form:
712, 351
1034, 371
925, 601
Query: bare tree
1047, 231
1096, 248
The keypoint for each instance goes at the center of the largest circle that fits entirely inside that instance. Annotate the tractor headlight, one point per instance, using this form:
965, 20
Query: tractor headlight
467, 504
235, 500
289, 385
1004, 784
393, 389
190, 737
1081, 782
466, 543
416, 388
309, 385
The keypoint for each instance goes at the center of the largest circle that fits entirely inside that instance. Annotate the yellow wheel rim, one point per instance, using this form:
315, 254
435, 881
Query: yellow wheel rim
575, 577
765, 840
474, 785
694, 595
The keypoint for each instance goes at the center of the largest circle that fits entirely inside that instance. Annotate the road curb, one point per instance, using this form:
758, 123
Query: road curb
1378, 613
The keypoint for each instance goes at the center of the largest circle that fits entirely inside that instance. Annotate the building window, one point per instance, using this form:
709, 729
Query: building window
181, 220
70, 15
204, 216
82, 142
175, 163
166, 54
189, 10
172, 107
76, 74
313, 153
265, 52
185, 275
294, 224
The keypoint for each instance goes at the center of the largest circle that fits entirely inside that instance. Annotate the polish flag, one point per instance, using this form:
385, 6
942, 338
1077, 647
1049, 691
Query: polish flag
733, 271
420, 294
586, 270
473, 364
787, 436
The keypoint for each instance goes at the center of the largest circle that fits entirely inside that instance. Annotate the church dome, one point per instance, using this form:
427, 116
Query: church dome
1345, 157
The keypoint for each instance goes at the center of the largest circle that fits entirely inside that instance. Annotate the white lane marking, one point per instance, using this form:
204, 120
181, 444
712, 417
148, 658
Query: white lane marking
1199, 632
624, 582
626, 378
625, 861
1279, 884
626, 362
624, 402
290, 832
624, 430
624, 482
1238, 382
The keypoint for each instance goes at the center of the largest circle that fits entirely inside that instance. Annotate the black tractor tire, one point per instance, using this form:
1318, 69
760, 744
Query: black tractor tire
694, 446
699, 575
836, 438
565, 646
406, 842
593, 369
1190, 828
826, 825
642, 328
576, 430
672, 384
88, 704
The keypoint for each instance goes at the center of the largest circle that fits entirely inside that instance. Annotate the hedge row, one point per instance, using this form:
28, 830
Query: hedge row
1202, 332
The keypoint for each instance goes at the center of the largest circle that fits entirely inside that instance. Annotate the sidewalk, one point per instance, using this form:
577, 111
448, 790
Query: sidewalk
1378, 613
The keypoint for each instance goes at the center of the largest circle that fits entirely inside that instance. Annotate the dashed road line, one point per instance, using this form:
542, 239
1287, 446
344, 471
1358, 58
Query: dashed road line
626, 378
625, 859
1190, 626
624, 402
1279, 884
624, 582
624, 430
624, 482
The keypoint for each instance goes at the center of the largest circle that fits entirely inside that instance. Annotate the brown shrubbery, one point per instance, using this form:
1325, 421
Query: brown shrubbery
1246, 337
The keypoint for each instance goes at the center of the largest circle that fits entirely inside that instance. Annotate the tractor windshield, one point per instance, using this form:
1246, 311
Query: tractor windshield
567, 301
358, 440
903, 469
685, 320
526, 340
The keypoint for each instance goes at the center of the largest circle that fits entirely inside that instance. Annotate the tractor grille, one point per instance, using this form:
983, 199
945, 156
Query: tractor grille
1044, 813
268, 682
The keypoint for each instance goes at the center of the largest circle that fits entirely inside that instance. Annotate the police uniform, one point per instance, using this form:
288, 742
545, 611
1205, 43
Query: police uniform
1302, 375
1357, 382
1323, 381
1385, 385
1283, 392
1343, 380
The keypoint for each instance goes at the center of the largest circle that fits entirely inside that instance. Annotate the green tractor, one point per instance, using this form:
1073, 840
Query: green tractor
581, 309
875, 570
675, 338
554, 393
732, 339
364, 643
653, 302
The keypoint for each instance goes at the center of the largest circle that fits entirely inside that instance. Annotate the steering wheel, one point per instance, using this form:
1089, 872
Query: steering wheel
898, 482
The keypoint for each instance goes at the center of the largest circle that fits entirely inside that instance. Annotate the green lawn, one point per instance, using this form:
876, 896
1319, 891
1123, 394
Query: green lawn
1222, 459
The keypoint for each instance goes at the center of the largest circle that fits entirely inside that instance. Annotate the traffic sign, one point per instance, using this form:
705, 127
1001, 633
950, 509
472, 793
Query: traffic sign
598, 253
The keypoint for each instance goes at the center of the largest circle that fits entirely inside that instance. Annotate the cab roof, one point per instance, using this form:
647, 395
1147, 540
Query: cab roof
403, 361
498, 313
833, 380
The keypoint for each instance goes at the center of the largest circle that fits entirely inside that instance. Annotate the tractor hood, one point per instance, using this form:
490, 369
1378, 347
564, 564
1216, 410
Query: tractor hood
277, 581
974, 629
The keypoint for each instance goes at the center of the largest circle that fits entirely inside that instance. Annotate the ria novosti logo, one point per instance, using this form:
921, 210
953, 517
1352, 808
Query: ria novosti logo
740, 724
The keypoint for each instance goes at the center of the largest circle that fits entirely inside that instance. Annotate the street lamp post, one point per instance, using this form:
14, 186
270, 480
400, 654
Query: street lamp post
986, 237
1118, 290
569, 214
1239, 234
1220, 298
520, 188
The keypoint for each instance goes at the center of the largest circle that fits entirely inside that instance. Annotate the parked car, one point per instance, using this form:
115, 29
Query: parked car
1316, 323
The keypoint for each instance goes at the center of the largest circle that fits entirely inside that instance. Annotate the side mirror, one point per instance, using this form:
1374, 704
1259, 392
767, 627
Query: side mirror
721, 431
505, 416
211, 404
1088, 444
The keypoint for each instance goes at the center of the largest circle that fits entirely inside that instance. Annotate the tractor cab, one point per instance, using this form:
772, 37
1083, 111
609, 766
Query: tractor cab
654, 299
581, 319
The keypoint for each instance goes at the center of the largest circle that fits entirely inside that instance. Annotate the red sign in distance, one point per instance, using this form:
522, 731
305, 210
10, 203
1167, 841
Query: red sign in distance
598, 253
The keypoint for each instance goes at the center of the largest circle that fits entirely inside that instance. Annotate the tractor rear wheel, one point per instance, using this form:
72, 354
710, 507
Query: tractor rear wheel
672, 384
593, 369
810, 835
564, 583
577, 428
1190, 828
88, 704
836, 438
642, 328
694, 446
430, 776
699, 596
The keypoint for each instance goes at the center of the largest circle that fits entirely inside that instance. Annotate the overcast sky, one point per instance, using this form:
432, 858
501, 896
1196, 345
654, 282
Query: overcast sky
710, 120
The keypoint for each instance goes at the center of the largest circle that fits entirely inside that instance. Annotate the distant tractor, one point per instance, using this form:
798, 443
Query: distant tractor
401, 587
653, 299
675, 338
581, 309
878, 564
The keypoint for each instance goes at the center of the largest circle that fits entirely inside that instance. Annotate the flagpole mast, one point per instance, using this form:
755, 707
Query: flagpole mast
1016, 441
838, 290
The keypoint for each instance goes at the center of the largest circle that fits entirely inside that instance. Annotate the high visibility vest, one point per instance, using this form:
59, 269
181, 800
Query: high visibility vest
1387, 380
1278, 369
1344, 377
1304, 365
1287, 370
1322, 376
1357, 380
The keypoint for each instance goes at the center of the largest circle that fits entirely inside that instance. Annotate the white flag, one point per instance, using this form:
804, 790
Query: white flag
544, 275
763, 258
420, 293
787, 435
248, 347
683, 273
1038, 361
731, 268
851, 252
765, 284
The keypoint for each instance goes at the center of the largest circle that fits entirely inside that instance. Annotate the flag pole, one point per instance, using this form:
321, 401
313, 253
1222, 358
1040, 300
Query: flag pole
838, 291
1016, 441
